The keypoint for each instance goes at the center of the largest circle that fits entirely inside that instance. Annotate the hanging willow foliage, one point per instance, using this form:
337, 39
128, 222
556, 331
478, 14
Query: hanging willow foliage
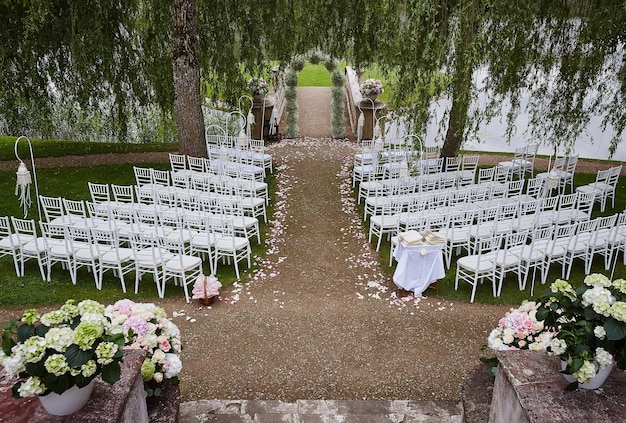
116, 57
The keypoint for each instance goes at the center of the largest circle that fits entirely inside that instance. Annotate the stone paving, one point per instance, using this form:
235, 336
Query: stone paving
321, 411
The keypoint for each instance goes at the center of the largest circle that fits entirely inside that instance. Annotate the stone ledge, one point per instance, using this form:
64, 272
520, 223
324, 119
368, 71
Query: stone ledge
314, 411
529, 388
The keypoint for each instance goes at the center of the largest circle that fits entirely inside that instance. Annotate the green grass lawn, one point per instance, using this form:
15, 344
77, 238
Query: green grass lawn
58, 148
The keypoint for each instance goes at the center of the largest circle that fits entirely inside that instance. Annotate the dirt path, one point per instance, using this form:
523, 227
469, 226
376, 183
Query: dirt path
319, 320
314, 111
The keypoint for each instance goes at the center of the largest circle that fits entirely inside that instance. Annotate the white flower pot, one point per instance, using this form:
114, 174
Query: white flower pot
596, 382
69, 402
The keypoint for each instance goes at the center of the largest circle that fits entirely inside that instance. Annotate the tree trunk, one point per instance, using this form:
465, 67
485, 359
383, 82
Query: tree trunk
186, 68
461, 98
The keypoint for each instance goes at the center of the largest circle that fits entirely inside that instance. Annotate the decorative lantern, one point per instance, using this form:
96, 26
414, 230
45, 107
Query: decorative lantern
404, 169
22, 187
552, 180
24, 179
243, 139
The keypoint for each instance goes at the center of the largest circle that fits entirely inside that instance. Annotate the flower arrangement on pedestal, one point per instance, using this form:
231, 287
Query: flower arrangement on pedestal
519, 329
206, 289
589, 324
372, 88
258, 86
61, 349
146, 326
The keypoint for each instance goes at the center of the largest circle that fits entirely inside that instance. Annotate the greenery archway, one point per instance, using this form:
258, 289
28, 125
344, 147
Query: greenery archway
338, 95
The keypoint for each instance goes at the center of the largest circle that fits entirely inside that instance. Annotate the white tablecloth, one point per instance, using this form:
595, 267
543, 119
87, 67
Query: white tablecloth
418, 267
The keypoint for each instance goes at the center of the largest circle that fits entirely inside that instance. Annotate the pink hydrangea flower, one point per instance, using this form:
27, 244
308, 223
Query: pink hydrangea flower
137, 324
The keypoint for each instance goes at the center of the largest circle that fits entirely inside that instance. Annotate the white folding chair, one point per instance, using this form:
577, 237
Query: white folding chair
123, 193
149, 258
603, 187
182, 268
600, 241
385, 223
227, 245
556, 248
53, 209
202, 239
9, 243
508, 259
57, 244
100, 193
514, 166
617, 242
84, 252
31, 246
474, 268
111, 256
532, 256
457, 233
579, 244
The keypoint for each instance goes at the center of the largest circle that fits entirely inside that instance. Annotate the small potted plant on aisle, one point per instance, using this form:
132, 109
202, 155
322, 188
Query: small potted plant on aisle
206, 289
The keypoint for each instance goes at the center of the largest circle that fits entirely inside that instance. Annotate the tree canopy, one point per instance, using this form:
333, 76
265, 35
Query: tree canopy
116, 58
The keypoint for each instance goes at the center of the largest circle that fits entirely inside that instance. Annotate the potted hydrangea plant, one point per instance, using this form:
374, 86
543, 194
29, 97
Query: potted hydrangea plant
589, 323
146, 326
56, 356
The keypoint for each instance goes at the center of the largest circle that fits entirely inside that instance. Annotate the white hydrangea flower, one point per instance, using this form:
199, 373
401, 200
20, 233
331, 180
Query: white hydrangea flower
600, 299
586, 372
59, 338
603, 357
618, 311
597, 279
31, 387
599, 332
557, 346
175, 365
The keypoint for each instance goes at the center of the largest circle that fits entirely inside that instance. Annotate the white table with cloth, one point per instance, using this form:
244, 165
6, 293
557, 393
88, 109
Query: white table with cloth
418, 266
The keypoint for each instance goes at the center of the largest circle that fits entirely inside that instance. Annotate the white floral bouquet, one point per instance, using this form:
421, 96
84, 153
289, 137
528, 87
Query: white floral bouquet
258, 86
590, 324
61, 349
372, 87
146, 326
519, 329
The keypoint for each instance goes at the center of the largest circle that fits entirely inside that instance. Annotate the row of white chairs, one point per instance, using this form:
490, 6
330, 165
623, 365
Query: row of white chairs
462, 226
150, 178
499, 254
166, 210
479, 195
242, 148
165, 251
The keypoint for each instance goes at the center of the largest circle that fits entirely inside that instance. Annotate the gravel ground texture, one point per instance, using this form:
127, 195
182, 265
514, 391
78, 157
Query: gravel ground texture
319, 320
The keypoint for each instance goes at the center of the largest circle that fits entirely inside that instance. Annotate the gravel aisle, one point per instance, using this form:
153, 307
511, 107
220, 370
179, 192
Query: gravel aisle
318, 320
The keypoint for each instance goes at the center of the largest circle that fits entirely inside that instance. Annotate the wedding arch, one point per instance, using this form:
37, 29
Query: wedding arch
338, 94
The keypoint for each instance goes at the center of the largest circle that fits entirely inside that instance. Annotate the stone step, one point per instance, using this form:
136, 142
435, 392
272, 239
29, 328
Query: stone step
320, 411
